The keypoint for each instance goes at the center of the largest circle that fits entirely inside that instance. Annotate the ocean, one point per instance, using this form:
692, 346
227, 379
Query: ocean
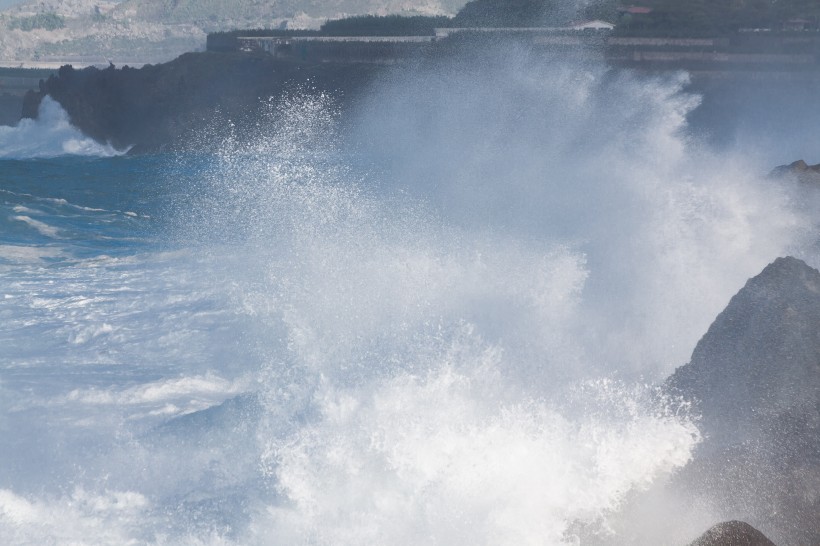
443, 319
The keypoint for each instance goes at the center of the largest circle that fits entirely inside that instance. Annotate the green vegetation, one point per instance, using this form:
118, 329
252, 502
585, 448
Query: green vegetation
720, 17
227, 41
38, 73
365, 25
684, 18
666, 17
47, 21
96, 15
509, 13
390, 25
604, 10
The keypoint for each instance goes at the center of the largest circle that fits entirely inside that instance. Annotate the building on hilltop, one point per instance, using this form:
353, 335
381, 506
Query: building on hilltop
595, 24
799, 24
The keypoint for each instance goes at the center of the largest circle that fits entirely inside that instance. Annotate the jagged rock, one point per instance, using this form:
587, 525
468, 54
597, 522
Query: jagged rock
799, 168
733, 533
755, 380
761, 356
10, 108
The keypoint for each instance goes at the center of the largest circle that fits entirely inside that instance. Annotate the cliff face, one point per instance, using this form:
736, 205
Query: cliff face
10, 107
159, 106
755, 379
761, 355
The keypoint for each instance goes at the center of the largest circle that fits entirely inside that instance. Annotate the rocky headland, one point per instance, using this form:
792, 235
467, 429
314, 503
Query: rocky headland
800, 169
10, 108
161, 106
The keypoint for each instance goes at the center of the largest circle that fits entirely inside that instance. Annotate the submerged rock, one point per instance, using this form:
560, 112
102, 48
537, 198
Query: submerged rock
755, 380
733, 533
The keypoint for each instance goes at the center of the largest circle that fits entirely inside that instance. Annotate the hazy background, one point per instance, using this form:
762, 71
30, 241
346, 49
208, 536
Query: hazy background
140, 31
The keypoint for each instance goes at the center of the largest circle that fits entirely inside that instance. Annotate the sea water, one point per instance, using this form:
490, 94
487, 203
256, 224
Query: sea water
440, 320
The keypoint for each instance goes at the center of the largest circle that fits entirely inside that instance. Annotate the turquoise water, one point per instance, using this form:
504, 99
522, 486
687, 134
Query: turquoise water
442, 326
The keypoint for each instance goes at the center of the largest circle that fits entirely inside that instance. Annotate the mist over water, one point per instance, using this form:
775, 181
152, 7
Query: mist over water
600, 161
436, 322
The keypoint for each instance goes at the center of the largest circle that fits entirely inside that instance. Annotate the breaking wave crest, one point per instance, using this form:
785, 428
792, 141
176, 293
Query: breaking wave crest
50, 135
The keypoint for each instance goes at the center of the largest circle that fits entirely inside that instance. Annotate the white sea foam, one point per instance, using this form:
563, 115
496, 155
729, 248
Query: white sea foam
199, 391
28, 253
440, 456
40, 226
85, 518
50, 135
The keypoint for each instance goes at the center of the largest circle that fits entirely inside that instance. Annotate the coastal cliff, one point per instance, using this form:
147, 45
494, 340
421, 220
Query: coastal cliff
159, 106
10, 107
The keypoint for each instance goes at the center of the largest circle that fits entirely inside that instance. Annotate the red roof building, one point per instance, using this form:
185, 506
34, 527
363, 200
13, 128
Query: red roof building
635, 10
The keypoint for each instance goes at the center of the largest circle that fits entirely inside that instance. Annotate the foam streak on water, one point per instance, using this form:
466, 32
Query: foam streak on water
439, 326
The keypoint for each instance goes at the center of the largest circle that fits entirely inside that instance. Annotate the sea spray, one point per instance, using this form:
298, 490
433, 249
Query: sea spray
432, 342
391, 417
50, 135
602, 161
422, 325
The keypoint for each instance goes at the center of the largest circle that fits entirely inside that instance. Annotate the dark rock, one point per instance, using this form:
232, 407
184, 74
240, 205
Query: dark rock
799, 168
11, 107
761, 355
733, 533
31, 102
160, 106
755, 380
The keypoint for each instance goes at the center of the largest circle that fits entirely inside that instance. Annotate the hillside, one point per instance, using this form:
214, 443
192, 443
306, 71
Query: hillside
152, 31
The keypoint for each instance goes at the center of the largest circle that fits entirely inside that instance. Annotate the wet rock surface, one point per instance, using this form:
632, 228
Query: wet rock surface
733, 533
800, 169
161, 106
755, 380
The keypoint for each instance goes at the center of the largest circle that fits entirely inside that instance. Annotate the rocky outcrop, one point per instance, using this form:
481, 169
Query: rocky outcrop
755, 380
761, 355
10, 108
733, 533
800, 169
160, 106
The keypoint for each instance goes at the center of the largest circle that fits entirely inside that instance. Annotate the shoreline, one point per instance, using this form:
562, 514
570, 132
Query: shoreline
55, 65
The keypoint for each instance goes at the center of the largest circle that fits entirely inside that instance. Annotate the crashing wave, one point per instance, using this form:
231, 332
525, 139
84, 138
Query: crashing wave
50, 135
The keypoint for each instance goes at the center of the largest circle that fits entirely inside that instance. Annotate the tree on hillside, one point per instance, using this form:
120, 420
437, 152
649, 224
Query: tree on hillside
511, 13
388, 25
605, 10
721, 16
787, 9
690, 17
